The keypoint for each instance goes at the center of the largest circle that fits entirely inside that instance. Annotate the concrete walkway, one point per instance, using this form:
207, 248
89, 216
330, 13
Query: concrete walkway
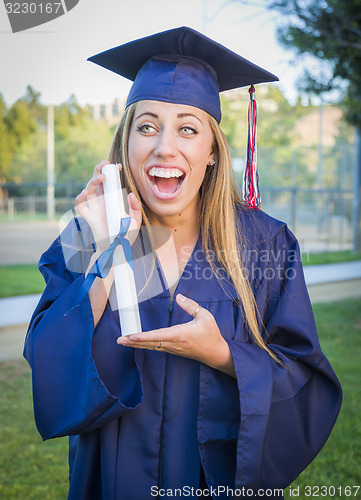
24, 242
328, 273
325, 283
329, 282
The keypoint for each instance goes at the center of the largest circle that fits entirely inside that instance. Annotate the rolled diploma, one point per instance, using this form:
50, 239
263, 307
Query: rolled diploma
123, 274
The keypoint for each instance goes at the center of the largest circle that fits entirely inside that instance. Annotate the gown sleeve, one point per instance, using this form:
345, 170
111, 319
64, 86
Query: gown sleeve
287, 410
70, 394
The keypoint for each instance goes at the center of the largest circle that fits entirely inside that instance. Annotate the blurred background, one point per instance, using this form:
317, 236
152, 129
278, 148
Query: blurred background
58, 114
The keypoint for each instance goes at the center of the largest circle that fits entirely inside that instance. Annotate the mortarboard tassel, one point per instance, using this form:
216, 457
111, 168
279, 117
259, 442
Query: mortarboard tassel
251, 194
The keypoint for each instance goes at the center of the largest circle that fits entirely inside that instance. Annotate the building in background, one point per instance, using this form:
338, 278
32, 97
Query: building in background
111, 111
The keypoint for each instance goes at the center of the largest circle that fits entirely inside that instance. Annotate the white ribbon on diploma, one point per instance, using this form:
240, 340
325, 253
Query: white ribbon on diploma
124, 282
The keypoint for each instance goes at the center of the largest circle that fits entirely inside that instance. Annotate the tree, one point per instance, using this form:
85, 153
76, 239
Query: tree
23, 140
87, 145
17, 124
329, 30
67, 115
20, 122
37, 110
275, 130
7, 144
75, 155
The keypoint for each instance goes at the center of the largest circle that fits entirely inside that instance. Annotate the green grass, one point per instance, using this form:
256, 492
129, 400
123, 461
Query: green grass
329, 257
23, 217
31, 469
26, 279
338, 464
27, 217
20, 279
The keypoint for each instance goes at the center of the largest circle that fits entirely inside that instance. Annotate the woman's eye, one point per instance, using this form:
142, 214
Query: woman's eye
145, 128
189, 130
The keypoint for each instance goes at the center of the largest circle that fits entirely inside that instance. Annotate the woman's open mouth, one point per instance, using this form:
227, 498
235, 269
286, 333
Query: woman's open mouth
166, 181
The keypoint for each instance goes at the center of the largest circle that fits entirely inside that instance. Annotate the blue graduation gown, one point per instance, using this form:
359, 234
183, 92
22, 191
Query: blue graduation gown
142, 420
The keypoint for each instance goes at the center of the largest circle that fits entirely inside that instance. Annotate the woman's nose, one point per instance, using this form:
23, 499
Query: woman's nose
166, 144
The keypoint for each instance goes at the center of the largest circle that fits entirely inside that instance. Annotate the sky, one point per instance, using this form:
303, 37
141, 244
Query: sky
53, 57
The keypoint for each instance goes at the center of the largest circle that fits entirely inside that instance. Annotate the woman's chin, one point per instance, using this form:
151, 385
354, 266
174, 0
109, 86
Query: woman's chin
162, 208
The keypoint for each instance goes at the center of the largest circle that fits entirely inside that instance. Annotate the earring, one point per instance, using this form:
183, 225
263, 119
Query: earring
212, 162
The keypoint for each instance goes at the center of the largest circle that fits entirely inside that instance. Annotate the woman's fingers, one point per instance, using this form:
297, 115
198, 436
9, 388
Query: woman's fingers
189, 305
98, 168
90, 188
95, 188
150, 340
89, 192
185, 339
91, 206
81, 197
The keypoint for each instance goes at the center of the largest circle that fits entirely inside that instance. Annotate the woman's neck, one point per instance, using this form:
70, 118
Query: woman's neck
184, 226
174, 252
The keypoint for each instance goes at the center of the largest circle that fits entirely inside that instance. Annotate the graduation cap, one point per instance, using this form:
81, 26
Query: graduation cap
183, 66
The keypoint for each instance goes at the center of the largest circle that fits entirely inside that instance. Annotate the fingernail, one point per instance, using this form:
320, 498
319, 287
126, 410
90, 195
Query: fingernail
181, 297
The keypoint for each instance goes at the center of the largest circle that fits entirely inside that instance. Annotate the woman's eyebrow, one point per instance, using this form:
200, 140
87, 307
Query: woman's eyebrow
153, 115
184, 115
180, 115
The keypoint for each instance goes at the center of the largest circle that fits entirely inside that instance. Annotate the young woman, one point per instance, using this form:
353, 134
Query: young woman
226, 391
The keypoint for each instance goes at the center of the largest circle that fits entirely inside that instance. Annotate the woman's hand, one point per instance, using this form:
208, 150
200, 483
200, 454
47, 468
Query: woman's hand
90, 205
198, 339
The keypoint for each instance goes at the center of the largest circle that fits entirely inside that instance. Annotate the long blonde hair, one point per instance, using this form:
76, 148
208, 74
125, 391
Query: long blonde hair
219, 229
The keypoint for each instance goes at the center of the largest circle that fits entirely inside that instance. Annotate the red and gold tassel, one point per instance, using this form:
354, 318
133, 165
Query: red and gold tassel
251, 194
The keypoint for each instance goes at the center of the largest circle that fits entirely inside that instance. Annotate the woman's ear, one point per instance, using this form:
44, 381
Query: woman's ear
212, 156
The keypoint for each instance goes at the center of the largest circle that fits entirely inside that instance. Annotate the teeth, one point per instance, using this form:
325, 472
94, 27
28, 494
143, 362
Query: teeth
165, 172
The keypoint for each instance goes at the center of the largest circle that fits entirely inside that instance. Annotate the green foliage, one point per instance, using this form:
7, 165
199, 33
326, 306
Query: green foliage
69, 115
37, 110
18, 125
329, 30
29, 160
75, 155
7, 142
87, 145
276, 120
82, 142
23, 140
234, 120
20, 122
